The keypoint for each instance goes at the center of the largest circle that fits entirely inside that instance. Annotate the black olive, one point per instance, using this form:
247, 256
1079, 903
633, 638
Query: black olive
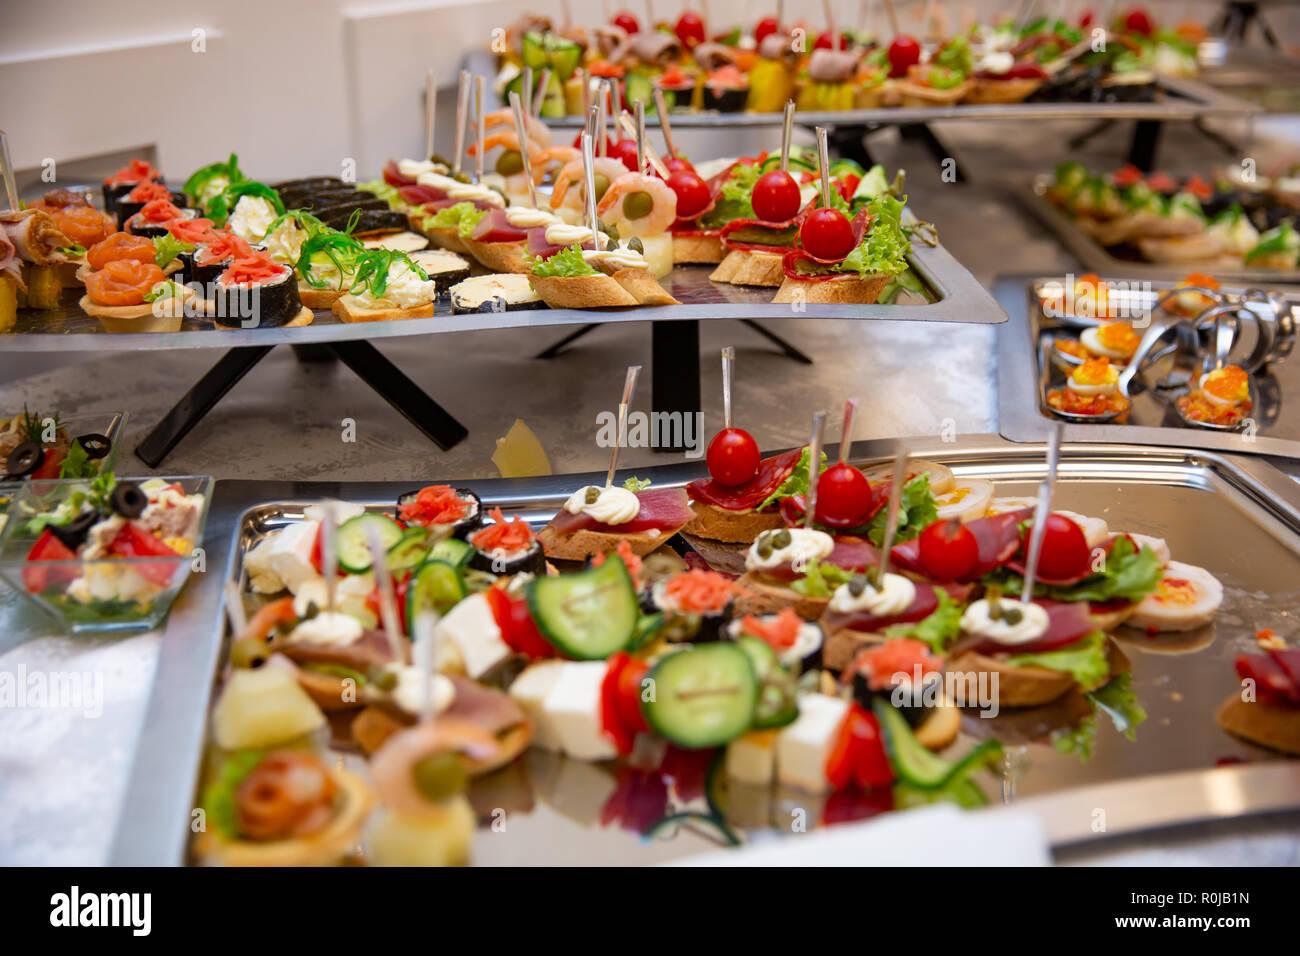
128, 500
95, 445
74, 532
25, 459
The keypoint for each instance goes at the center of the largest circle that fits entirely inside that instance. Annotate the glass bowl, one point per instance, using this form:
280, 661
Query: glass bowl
109, 425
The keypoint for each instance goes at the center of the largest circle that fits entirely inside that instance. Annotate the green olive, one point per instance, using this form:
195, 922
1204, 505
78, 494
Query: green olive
637, 205
601, 182
440, 160
461, 177
510, 162
248, 652
440, 776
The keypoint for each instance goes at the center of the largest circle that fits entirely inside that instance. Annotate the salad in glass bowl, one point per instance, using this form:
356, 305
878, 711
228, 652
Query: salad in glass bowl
107, 553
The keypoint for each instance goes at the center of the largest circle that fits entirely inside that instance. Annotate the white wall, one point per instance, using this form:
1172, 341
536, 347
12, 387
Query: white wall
293, 86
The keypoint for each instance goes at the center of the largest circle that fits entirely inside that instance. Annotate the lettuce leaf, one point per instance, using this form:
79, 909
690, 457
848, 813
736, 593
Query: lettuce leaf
916, 511
735, 200
939, 629
167, 247
1118, 702
820, 580
219, 796
1084, 660
796, 484
462, 217
884, 248
1128, 574
565, 263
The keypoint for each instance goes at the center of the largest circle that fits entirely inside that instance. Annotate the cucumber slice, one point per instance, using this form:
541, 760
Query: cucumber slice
453, 551
534, 50
565, 55
354, 541
435, 586
587, 615
410, 551
777, 704
703, 697
918, 766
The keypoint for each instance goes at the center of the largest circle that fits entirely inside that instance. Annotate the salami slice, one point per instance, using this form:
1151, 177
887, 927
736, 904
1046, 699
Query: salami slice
662, 509
769, 477
851, 554
1275, 685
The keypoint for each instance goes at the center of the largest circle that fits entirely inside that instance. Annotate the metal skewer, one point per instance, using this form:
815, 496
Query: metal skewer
1042, 509
387, 599
629, 386
589, 175
430, 111
629, 127
895, 500
521, 132
728, 362
480, 124
543, 82
814, 465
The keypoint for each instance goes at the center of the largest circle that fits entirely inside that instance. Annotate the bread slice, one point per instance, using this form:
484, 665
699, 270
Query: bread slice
843, 288
1011, 90
723, 524
748, 267
728, 556
582, 292
767, 596
918, 94
1277, 728
1029, 686
583, 543
643, 286
350, 309
314, 298
698, 249
1184, 249
446, 239
499, 256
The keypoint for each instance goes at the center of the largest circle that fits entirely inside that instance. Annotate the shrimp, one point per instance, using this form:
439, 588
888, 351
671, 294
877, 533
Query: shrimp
392, 763
539, 134
604, 171
548, 159
638, 205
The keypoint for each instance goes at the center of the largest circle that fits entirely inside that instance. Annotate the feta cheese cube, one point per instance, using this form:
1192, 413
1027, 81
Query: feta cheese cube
803, 746
529, 691
573, 706
284, 557
473, 630
751, 758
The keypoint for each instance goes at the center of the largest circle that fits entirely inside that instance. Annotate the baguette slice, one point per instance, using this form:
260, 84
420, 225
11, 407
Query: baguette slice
721, 524
766, 596
1030, 686
499, 256
583, 543
1277, 728
314, 298
843, 288
350, 309
582, 292
728, 556
446, 239
643, 286
918, 94
747, 267
1011, 90
698, 249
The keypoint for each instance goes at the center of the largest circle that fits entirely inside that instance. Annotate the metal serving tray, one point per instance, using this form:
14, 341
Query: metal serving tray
1024, 369
1097, 258
1179, 99
1245, 529
956, 295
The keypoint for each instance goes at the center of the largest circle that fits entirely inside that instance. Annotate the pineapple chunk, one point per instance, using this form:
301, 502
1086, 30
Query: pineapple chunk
262, 707
8, 303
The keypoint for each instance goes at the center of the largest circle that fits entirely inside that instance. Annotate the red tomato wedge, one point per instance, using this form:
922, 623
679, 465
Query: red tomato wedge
48, 548
122, 282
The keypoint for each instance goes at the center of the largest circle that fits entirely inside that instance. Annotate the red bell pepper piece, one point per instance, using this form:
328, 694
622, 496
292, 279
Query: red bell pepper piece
517, 627
135, 541
858, 755
48, 548
621, 718
50, 466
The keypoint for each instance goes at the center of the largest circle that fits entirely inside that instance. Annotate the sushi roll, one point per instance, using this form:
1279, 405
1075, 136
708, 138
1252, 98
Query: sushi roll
697, 605
145, 192
507, 547
446, 269
726, 90
255, 292
505, 292
151, 221
308, 184
368, 222
126, 179
887, 672
798, 643
206, 262
431, 507
324, 198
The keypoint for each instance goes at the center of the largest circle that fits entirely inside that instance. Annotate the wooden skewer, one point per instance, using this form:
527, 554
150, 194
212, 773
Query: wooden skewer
629, 386
387, 599
640, 136
329, 551
480, 123
425, 654
602, 91
846, 436
543, 83
629, 127
521, 132
235, 610
589, 175
430, 111
661, 108
814, 465
823, 160
787, 131
895, 499
585, 84
7, 171
462, 116
893, 17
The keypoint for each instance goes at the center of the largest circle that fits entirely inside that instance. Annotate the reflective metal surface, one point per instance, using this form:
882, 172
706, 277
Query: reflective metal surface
955, 295
1097, 258
1026, 368
1238, 517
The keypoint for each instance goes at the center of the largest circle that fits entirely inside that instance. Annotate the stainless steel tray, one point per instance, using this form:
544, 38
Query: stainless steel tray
1179, 100
1023, 372
1097, 258
956, 297
1246, 530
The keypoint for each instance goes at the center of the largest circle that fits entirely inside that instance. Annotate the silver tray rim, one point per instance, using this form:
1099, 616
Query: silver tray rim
1019, 418
1095, 258
164, 773
961, 299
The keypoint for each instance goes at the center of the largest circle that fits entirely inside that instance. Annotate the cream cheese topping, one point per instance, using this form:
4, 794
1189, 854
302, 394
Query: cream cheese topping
894, 596
1028, 622
805, 546
612, 504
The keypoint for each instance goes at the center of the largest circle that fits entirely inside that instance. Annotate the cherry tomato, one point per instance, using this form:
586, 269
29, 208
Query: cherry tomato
776, 197
625, 152
627, 22
1086, 19
766, 27
690, 29
827, 234
826, 42
948, 550
843, 496
732, 457
1138, 21
50, 466
676, 163
595, 144
693, 196
1065, 552
903, 52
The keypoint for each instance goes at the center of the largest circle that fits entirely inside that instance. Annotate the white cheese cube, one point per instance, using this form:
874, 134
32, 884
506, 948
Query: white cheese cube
289, 554
751, 758
529, 691
573, 706
343, 510
803, 746
471, 627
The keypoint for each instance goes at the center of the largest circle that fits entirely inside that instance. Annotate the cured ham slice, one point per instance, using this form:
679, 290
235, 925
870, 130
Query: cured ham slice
34, 235
662, 509
923, 605
9, 264
1067, 622
393, 176
494, 227
1276, 674
731, 228
482, 706
772, 472
418, 194
795, 507
371, 649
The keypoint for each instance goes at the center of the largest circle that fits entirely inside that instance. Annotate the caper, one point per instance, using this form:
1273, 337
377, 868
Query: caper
873, 577
461, 177
995, 610
765, 547
440, 160
601, 182
439, 776
1013, 615
637, 205
248, 652
611, 230
857, 584
592, 495
311, 612
384, 679
510, 162
781, 539
636, 245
